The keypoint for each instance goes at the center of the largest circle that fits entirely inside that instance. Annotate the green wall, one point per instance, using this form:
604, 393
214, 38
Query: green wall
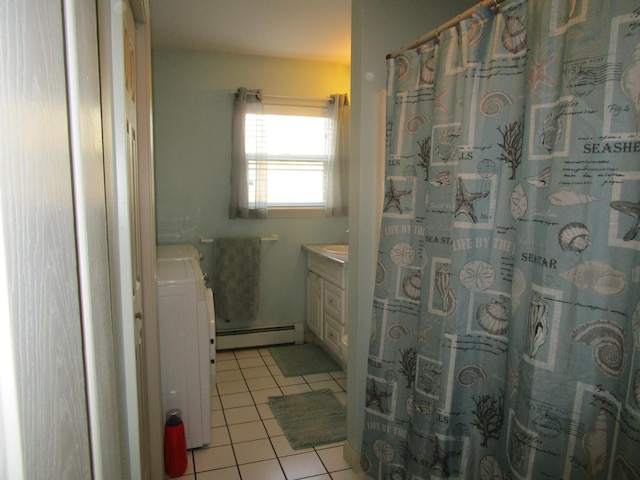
192, 106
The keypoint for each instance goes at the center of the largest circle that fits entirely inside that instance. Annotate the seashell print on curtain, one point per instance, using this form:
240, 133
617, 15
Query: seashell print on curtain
505, 339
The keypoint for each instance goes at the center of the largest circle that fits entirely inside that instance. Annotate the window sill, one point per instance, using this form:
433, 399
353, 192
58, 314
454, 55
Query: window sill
296, 212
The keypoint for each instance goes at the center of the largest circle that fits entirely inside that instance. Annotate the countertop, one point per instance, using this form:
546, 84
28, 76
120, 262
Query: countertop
328, 251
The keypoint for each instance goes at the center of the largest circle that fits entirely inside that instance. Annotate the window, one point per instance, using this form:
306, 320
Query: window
294, 153
288, 158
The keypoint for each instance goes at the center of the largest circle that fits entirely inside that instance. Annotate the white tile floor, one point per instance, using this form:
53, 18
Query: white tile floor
247, 442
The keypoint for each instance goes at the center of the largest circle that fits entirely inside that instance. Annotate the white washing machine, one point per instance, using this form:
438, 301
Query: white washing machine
177, 252
187, 345
182, 252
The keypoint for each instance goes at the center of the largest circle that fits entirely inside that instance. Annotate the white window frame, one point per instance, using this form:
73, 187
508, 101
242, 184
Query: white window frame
307, 108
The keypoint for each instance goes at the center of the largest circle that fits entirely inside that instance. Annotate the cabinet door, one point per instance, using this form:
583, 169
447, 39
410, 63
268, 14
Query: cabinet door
333, 332
333, 301
315, 286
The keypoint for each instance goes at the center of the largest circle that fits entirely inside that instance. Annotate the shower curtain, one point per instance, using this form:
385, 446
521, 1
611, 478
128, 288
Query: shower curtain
505, 339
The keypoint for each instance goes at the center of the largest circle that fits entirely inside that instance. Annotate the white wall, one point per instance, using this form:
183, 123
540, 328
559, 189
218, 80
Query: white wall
192, 102
36, 211
57, 349
378, 28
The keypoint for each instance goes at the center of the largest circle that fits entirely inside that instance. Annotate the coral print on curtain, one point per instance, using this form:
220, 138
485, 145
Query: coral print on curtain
505, 336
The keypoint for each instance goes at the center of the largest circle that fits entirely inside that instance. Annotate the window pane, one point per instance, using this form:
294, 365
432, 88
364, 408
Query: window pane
294, 135
296, 183
296, 149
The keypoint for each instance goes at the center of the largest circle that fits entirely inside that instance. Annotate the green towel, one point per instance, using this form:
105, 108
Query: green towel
236, 277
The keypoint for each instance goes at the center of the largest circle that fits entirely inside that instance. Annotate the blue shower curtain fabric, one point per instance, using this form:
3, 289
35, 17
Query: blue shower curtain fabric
505, 336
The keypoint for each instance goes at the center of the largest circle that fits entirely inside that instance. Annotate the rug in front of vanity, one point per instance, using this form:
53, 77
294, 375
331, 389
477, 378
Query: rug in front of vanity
305, 359
310, 419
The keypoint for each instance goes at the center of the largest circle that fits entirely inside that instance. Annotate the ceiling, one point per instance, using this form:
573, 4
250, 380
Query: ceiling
318, 30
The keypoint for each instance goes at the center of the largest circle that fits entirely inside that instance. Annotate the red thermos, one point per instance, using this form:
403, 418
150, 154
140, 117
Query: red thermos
175, 445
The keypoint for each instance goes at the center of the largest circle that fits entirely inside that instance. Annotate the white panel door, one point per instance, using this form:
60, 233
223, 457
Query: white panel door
123, 174
130, 85
83, 87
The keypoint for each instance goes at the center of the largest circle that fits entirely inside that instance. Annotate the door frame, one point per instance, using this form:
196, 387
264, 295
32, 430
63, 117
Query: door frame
142, 456
146, 192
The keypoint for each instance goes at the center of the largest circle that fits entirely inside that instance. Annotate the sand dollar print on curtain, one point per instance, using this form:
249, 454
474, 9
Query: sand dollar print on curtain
506, 320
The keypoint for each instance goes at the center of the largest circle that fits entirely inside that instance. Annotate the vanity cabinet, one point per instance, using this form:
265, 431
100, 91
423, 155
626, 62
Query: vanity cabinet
326, 301
315, 286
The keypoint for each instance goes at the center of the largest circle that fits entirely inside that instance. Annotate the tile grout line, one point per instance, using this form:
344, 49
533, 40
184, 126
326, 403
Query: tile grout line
263, 353
278, 457
226, 425
314, 449
284, 474
262, 421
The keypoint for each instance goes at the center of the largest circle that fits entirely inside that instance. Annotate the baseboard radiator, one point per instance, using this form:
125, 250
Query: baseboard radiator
259, 336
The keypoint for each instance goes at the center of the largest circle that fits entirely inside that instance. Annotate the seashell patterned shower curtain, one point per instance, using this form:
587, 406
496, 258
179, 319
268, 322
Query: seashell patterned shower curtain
506, 320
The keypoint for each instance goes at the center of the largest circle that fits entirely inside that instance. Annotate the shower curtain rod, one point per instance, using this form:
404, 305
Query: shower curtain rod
454, 21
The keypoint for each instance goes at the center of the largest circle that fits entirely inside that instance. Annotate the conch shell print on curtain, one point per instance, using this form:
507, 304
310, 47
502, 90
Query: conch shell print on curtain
505, 328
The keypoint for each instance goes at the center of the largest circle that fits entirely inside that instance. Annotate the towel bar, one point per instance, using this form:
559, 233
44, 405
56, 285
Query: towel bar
270, 238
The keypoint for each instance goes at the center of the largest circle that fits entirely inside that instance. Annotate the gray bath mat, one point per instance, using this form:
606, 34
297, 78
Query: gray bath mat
305, 359
310, 419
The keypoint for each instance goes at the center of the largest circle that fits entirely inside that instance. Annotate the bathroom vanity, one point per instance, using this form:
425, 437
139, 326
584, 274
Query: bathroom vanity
327, 295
